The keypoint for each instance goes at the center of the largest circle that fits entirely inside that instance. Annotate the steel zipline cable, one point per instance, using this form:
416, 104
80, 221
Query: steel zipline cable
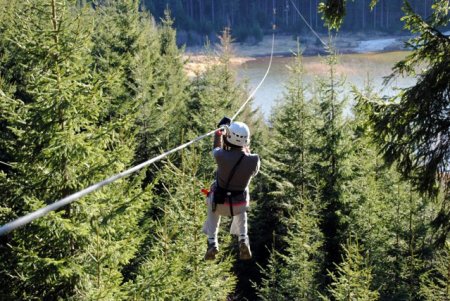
307, 24
260, 83
21, 221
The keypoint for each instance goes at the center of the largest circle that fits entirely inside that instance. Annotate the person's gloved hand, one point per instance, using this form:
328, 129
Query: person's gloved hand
225, 121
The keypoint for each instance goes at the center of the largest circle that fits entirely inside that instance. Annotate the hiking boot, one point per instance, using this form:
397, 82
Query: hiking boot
211, 251
244, 250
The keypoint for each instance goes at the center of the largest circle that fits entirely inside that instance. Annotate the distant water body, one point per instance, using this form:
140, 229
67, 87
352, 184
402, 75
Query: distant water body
357, 69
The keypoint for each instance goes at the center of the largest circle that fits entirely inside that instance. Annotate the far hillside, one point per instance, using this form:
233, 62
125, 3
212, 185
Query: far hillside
199, 20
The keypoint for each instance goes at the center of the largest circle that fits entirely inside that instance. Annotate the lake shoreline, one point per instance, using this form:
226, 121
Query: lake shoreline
354, 69
287, 45
312, 54
198, 58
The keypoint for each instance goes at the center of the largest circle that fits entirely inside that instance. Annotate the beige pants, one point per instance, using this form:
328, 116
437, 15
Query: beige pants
238, 225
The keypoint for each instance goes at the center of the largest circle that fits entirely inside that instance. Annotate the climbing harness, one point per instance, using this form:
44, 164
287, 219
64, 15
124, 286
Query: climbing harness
21, 221
223, 195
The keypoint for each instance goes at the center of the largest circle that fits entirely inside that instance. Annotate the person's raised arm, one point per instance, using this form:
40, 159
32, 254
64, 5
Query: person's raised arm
218, 140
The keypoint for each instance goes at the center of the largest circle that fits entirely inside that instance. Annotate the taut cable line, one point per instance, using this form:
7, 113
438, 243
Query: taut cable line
307, 24
7, 164
21, 221
268, 68
260, 83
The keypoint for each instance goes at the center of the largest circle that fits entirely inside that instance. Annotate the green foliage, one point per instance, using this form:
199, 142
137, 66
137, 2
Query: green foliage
353, 278
285, 209
333, 12
293, 123
271, 287
304, 256
294, 275
331, 149
69, 106
387, 215
414, 115
411, 127
164, 89
214, 94
435, 285
176, 245
286, 164
85, 93
288, 160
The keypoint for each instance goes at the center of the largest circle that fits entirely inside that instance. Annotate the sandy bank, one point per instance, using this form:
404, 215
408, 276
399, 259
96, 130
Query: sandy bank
197, 63
285, 45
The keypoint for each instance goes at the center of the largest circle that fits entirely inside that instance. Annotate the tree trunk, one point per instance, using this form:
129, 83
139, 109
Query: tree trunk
310, 12
317, 13
224, 14
285, 8
200, 10
363, 14
387, 16
213, 19
374, 17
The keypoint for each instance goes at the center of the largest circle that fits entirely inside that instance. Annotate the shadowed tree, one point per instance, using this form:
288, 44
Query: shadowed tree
435, 285
174, 267
64, 138
331, 149
352, 280
413, 127
284, 212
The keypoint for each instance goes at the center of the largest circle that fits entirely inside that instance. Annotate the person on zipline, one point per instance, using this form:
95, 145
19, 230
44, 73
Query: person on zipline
229, 194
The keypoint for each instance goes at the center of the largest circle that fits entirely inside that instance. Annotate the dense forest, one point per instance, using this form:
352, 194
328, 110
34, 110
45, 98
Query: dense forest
346, 206
250, 19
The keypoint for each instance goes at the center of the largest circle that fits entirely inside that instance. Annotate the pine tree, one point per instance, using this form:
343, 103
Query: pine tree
294, 274
286, 173
144, 60
174, 267
304, 257
412, 127
271, 288
435, 285
292, 127
6, 9
389, 218
214, 94
284, 205
65, 138
333, 12
331, 150
353, 278
165, 96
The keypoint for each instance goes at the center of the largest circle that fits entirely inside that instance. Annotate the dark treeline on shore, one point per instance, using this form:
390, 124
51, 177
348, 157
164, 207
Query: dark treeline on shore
346, 206
250, 19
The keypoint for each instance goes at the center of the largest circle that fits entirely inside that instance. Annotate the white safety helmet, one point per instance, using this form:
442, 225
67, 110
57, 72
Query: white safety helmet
238, 134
